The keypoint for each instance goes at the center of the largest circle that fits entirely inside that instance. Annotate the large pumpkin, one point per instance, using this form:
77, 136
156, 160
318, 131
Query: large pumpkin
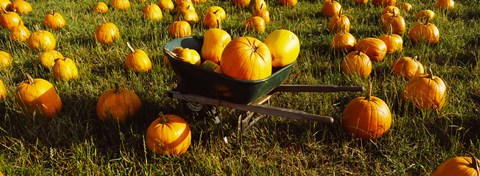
5, 60
214, 42
374, 48
246, 58
138, 60
168, 134
425, 32
64, 69
459, 165
367, 117
38, 97
426, 91
118, 104
284, 46
356, 63
42, 40
107, 33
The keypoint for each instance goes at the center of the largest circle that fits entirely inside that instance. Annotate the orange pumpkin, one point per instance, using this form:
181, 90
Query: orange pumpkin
5, 60
3, 91
100, 7
214, 42
42, 40
331, 8
179, 29
121, 4
218, 11
426, 91
107, 33
391, 9
246, 58
395, 24
356, 63
284, 46
459, 165
394, 42
38, 97
64, 69
423, 15
407, 67
188, 55
367, 117
138, 60
445, 4
118, 104
374, 48
425, 32
290, 3
47, 58
20, 6
190, 16
168, 135
360, 1
407, 7
262, 12
255, 23
54, 20
166, 5
343, 41
19, 33
4, 4
384, 3
338, 23
152, 12
241, 3
9, 20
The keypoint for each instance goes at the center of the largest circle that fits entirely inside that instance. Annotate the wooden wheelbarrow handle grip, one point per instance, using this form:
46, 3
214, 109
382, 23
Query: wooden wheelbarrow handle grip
316, 88
269, 110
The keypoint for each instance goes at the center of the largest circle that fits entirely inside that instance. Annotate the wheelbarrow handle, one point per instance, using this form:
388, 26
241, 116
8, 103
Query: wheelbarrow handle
316, 88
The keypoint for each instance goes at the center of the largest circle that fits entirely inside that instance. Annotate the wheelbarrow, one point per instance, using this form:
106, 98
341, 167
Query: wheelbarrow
203, 86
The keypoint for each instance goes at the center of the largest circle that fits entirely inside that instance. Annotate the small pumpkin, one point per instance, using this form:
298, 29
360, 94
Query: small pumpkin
445, 4
4, 4
64, 69
262, 12
356, 63
360, 1
367, 117
3, 91
391, 9
393, 41
42, 40
218, 11
19, 33
107, 33
259, 4
423, 15
188, 55
384, 3
179, 29
254, 56
47, 58
188, 15
407, 7
100, 7
284, 46
407, 67
344, 41
255, 23
6, 60
138, 60
38, 97
425, 32
374, 48
395, 24
426, 91
20, 6
185, 5
9, 20
54, 20
168, 135
166, 5
118, 104
210, 20
241, 3
152, 12
331, 8
214, 42
121, 4
338, 23
459, 165
290, 3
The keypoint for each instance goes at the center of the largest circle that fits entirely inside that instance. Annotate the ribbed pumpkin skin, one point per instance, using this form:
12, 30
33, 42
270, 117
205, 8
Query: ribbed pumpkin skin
9, 20
214, 42
407, 67
367, 119
121, 4
394, 42
426, 91
456, 166
374, 48
19, 33
106, 33
100, 7
138, 61
356, 63
179, 29
47, 58
425, 32
38, 96
344, 41
339, 23
246, 58
168, 134
118, 104
54, 20
331, 8
42, 40
6, 60
65, 69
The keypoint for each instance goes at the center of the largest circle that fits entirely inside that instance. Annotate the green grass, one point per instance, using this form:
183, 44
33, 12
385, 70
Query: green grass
76, 143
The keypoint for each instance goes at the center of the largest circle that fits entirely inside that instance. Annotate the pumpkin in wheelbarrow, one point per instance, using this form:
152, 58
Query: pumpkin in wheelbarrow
246, 58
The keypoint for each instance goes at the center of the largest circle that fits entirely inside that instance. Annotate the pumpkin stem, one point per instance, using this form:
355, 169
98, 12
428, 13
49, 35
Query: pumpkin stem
219, 24
391, 30
116, 88
216, 11
369, 91
130, 47
261, 6
56, 59
29, 78
430, 73
474, 164
163, 119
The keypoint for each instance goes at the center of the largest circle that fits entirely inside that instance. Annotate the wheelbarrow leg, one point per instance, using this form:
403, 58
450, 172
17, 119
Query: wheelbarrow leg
247, 122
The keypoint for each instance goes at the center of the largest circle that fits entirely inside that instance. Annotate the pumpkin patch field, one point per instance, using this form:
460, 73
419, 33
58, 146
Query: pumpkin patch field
83, 87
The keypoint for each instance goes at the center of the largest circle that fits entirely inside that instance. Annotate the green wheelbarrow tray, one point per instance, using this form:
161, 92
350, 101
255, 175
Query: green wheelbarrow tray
200, 81
196, 84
